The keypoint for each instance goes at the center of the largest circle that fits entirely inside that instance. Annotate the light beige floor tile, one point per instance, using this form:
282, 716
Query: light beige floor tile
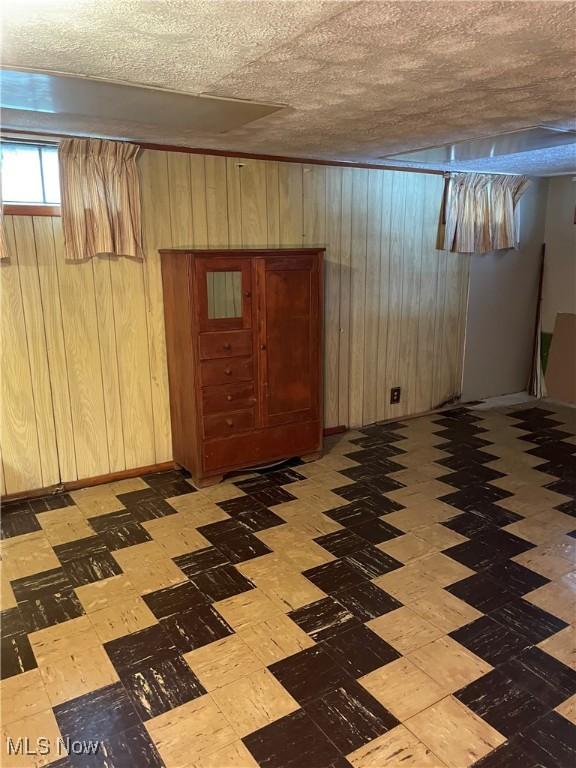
41, 725
248, 608
22, 696
454, 733
190, 732
449, 663
61, 638
64, 525
234, 755
122, 618
93, 502
275, 638
279, 580
562, 646
104, 593
407, 583
331, 479
27, 554
288, 541
444, 610
76, 671
568, 709
545, 561
398, 748
222, 662
7, 599
200, 509
328, 462
406, 548
160, 570
439, 536
558, 598
186, 540
254, 701
403, 688
405, 629
128, 485
222, 492
443, 569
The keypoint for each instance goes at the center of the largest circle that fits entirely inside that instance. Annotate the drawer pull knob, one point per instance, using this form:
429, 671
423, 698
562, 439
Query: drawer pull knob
229, 422
227, 345
228, 371
228, 397
263, 347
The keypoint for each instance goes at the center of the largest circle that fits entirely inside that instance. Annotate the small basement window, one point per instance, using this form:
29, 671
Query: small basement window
30, 175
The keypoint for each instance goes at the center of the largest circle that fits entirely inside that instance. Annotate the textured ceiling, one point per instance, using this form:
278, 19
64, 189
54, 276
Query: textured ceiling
362, 79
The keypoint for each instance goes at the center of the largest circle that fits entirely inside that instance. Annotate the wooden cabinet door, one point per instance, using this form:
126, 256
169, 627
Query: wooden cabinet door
224, 293
289, 328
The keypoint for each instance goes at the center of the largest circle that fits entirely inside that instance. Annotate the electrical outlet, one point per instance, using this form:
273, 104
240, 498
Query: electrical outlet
395, 395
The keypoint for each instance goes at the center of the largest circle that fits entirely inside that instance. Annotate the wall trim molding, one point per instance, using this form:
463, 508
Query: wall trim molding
244, 155
24, 209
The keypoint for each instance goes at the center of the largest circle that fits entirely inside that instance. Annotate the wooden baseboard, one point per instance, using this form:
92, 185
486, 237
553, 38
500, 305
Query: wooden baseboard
87, 482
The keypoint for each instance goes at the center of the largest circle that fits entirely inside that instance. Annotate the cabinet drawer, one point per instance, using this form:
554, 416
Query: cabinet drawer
226, 371
229, 397
224, 424
225, 344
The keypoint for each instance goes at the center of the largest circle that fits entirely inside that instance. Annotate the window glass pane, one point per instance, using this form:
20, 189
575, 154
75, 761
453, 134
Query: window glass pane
51, 175
21, 177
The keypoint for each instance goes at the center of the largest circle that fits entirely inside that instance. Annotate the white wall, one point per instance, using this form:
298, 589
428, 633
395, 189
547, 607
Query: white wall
502, 306
559, 291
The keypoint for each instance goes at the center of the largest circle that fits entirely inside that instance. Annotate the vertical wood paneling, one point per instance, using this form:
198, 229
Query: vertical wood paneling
57, 360
20, 449
157, 233
84, 385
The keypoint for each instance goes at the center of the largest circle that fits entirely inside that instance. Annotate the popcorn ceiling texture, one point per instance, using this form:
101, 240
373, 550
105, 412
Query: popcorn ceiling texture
362, 79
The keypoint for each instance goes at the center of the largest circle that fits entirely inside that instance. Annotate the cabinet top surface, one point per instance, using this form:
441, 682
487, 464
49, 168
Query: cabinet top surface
286, 249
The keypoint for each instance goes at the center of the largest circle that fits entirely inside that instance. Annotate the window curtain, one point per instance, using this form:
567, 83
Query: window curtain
100, 192
479, 212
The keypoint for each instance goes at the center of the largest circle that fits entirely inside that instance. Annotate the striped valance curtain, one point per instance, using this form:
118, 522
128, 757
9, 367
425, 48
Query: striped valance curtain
479, 212
100, 194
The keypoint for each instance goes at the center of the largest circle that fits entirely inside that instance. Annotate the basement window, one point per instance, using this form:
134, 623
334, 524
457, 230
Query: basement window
30, 177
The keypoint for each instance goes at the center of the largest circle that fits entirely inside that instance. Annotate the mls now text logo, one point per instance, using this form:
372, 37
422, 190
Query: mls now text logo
45, 746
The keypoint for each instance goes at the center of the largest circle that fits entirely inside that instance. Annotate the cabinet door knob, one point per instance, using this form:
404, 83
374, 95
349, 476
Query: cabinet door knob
247, 294
228, 397
228, 371
227, 345
229, 422
263, 347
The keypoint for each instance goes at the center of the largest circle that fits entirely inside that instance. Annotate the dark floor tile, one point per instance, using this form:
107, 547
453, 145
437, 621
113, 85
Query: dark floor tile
528, 620
125, 536
45, 609
52, 581
341, 542
116, 519
566, 487
374, 500
511, 754
196, 627
494, 514
367, 601
371, 562
260, 519
87, 560
360, 651
482, 592
475, 473
333, 576
170, 600
528, 414
237, 506
131, 651
239, 548
551, 741
200, 561
544, 436
160, 684
375, 477
568, 507
293, 741
355, 513
47, 503
475, 554
272, 496
545, 677
309, 674
151, 508
469, 498
490, 641
351, 716
17, 522
135, 498
284, 476
466, 524
506, 543
466, 458
323, 619
222, 529
377, 531
456, 445
97, 715
516, 577
221, 582
127, 749
16, 655
500, 702
554, 452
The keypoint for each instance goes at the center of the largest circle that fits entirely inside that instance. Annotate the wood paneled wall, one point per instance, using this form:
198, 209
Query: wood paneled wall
84, 385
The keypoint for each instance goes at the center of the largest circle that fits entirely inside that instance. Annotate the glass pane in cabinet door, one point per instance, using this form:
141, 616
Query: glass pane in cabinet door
224, 290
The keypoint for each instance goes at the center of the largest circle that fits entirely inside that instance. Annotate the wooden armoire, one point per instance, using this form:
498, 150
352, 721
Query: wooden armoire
243, 338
